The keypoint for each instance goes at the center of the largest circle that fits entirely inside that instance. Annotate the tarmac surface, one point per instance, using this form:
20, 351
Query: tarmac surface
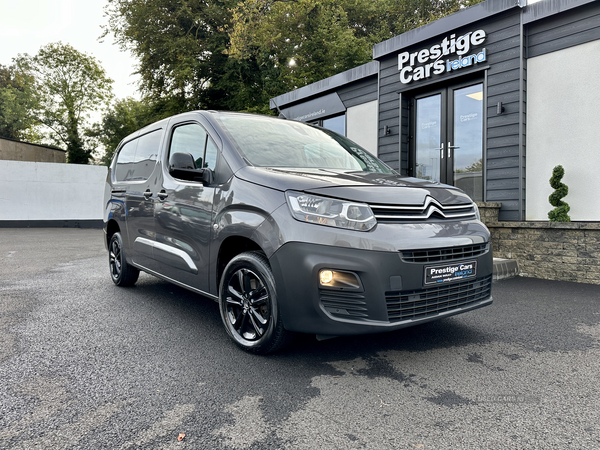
87, 365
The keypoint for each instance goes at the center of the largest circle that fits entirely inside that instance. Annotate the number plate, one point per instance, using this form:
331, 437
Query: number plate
450, 272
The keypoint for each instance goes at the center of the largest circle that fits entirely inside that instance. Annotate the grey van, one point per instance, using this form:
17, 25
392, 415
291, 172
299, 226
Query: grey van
290, 228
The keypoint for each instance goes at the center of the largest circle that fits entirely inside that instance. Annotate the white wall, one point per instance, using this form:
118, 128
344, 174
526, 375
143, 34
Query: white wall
49, 191
361, 125
563, 127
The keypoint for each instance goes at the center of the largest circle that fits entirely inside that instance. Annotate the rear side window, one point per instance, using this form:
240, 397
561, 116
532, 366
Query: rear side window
137, 158
193, 139
146, 154
125, 161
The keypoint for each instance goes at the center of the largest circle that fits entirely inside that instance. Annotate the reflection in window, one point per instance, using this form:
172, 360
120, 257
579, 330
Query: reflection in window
468, 133
337, 124
136, 159
428, 132
210, 160
190, 138
270, 142
125, 160
147, 154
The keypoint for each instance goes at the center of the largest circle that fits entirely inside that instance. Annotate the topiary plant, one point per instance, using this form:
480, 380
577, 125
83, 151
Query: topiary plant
560, 213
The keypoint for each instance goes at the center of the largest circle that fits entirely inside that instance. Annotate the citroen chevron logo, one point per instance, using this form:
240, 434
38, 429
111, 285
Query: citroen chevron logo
431, 206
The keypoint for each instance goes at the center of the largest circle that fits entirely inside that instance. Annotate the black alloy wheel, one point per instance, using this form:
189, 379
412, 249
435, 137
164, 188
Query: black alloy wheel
121, 272
248, 304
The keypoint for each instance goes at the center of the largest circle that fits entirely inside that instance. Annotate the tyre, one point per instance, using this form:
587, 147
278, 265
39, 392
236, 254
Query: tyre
121, 272
248, 304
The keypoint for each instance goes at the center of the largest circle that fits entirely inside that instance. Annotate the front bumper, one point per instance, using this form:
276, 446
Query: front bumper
393, 293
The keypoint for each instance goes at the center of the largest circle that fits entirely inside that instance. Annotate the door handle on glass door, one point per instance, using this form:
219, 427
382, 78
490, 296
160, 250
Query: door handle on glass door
441, 148
147, 194
450, 147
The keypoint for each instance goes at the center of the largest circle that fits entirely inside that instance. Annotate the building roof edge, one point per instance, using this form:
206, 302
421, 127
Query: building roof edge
547, 8
328, 84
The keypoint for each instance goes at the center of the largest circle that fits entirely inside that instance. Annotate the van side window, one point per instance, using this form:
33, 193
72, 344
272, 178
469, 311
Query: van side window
210, 160
125, 161
146, 154
190, 138
137, 158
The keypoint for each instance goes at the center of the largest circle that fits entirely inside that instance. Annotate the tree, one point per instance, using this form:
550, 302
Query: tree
475, 166
68, 86
560, 213
180, 45
309, 40
306, 41
120, 120
236, 54
17, 103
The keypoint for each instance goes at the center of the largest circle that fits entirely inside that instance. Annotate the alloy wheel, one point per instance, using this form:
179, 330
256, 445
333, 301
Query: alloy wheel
248, 305
114, 260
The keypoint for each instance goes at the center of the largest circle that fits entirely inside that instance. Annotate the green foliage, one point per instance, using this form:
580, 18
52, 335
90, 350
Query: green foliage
180, 45
235, 55
17, 103
305, 41
475, 166
309, 40
560, 213
68, 86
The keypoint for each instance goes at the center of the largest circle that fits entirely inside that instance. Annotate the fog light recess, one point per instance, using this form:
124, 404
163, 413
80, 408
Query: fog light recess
338, 279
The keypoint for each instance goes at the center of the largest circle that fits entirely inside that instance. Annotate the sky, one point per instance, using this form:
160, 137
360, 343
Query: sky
27, 25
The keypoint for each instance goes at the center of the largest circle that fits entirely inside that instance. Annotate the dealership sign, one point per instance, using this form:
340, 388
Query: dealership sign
426, 62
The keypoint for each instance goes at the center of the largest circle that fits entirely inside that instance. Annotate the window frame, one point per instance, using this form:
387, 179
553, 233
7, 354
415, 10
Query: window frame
136, 141
208, 137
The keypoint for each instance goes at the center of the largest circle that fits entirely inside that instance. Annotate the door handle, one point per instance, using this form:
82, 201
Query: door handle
450, 147
147, 194
162, 194
441, 148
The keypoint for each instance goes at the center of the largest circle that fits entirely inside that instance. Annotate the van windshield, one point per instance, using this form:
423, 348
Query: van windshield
271, 142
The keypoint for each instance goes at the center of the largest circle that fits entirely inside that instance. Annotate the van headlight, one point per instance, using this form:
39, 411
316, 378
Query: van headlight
330, 211
477, 215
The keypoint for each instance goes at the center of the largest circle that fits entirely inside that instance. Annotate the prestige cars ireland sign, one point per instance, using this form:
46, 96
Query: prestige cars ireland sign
450, 54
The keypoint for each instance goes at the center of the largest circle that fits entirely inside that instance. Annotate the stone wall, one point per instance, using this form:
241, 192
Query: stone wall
549, 250
21, 151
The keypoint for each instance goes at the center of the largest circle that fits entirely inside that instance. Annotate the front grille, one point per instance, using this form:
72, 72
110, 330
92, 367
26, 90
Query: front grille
419, 304
430, 211
346, 305
444, 254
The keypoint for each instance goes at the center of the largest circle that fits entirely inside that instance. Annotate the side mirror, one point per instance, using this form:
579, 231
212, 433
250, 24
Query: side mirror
183, 167
182, 161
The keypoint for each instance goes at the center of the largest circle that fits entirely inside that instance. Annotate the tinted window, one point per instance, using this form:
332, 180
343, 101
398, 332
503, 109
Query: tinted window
193, 139
125, 161
137, 158
210, 159
147, 154
190, 138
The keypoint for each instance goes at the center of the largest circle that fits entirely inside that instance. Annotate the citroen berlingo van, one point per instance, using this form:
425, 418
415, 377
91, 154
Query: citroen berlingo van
290, 228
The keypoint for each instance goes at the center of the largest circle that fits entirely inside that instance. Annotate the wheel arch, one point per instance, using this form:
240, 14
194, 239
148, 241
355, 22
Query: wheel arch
112, 227
230, 248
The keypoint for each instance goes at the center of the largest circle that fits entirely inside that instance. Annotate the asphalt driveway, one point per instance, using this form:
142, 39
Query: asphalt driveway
85, 364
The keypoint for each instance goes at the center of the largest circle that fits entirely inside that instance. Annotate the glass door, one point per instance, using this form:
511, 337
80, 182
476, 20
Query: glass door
428, 142
448, 137
466, 140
